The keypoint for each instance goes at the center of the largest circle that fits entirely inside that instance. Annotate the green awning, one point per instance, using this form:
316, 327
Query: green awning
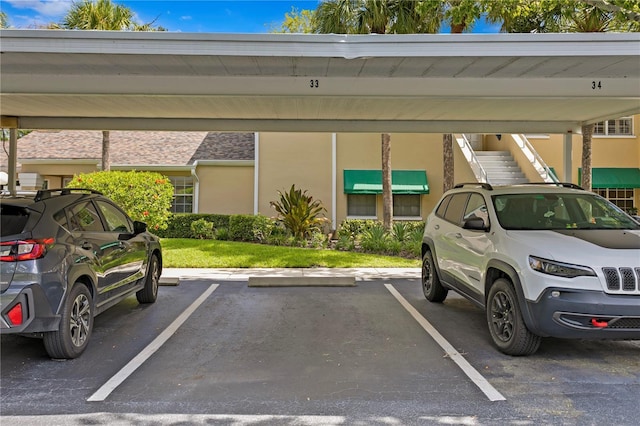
370, 182
613, 177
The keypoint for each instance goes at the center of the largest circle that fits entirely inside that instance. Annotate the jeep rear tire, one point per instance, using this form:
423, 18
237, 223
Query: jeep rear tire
431, 287
506, 325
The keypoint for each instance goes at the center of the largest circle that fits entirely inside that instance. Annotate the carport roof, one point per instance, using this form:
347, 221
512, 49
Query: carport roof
489, 83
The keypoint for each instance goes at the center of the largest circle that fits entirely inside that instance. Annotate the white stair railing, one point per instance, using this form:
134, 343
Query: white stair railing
467, 151
534, 158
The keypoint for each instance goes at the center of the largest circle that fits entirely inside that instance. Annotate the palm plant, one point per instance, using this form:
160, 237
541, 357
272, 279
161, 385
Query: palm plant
4, 21
299, 212
98, 15
375, 239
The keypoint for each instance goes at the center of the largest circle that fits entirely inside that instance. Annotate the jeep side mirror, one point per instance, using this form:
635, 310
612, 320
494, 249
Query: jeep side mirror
475, 223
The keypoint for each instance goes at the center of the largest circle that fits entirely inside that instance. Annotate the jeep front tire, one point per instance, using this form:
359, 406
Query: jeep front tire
431, 287
506, 325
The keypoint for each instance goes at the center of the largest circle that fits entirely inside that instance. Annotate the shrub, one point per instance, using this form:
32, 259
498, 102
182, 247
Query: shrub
222, 234
299, 212
179, 224
353, 228
374, 239
202, 229
345, 243
318, 240
241, 227
393, 247
400, 231
145, 196
262, 228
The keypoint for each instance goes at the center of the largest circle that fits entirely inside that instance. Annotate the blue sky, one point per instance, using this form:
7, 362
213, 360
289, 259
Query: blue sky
216, 16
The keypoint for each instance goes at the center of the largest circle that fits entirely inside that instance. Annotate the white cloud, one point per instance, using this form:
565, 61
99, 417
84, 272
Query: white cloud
47, 8
186, 18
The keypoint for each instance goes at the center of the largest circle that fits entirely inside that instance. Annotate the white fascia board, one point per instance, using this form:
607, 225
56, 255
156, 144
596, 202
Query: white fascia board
320, 45
72, 161
225, 163
151, 167
322, 126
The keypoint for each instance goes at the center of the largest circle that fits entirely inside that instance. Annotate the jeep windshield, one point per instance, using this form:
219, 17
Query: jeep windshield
539, 211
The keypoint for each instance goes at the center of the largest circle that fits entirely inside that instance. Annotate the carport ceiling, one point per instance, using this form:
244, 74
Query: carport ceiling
495, 83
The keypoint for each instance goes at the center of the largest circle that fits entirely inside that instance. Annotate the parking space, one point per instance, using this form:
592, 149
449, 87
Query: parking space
321, 355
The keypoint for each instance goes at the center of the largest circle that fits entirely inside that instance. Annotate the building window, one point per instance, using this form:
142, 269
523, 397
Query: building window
406, 205
621, 197
182, 194
621, 126
361, 205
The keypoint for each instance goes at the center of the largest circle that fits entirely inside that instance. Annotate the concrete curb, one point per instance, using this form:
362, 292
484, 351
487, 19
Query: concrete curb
305, 281
170, 275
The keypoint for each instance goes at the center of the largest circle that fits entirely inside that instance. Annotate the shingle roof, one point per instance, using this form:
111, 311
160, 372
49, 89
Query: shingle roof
226, 146
136, 147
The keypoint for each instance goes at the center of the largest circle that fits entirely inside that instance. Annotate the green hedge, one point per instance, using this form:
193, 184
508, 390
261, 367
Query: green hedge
179, 224
354, 227
240, 227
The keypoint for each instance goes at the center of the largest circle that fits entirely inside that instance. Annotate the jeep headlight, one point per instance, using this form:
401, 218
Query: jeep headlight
559, 269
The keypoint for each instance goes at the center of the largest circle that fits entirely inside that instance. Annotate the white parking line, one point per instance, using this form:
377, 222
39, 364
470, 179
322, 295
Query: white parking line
115, 381
451, 352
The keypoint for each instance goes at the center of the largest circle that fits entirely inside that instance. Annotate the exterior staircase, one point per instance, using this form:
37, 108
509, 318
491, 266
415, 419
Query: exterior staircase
501, 168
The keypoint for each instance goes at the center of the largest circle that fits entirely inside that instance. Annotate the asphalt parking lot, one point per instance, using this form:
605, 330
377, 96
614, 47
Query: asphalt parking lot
210, 352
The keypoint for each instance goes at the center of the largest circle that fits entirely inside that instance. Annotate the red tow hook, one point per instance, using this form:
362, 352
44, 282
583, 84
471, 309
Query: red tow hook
600, 324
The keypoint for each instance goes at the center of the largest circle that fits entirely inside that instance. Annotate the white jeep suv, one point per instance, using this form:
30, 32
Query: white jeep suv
541, 260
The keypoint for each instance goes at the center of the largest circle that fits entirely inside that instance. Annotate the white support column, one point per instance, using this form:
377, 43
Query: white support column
256, 172
334, 180
13, 159
567, 157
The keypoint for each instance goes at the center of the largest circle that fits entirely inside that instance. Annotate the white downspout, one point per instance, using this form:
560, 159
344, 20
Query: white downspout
196, 188
334, 180
256, 170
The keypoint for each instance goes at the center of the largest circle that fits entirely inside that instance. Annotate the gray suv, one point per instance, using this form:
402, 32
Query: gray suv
66, 256
541, 260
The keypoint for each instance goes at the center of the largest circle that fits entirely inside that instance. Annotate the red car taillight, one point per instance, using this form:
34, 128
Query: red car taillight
12, 251
15, 315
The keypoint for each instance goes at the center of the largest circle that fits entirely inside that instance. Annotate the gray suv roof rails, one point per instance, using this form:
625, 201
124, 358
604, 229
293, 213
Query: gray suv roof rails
562, 184
46, 193
484, 185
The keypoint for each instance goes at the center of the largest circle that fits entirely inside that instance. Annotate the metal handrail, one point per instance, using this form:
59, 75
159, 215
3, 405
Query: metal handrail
472, 159
534, 158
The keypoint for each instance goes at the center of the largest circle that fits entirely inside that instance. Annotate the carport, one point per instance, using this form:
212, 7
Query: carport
453, 83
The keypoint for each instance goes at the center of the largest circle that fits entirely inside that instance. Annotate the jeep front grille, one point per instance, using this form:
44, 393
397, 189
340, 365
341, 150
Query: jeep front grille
622, 280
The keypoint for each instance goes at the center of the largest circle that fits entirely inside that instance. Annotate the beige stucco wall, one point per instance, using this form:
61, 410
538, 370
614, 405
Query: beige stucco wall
225, 189
605, 152
300, 159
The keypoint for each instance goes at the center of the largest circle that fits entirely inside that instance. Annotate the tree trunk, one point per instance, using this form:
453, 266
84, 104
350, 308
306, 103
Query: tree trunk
387, 197
106, 162
587, 132
458, 28
447, 160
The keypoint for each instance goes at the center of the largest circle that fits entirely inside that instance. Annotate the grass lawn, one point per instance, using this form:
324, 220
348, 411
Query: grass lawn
189, 253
